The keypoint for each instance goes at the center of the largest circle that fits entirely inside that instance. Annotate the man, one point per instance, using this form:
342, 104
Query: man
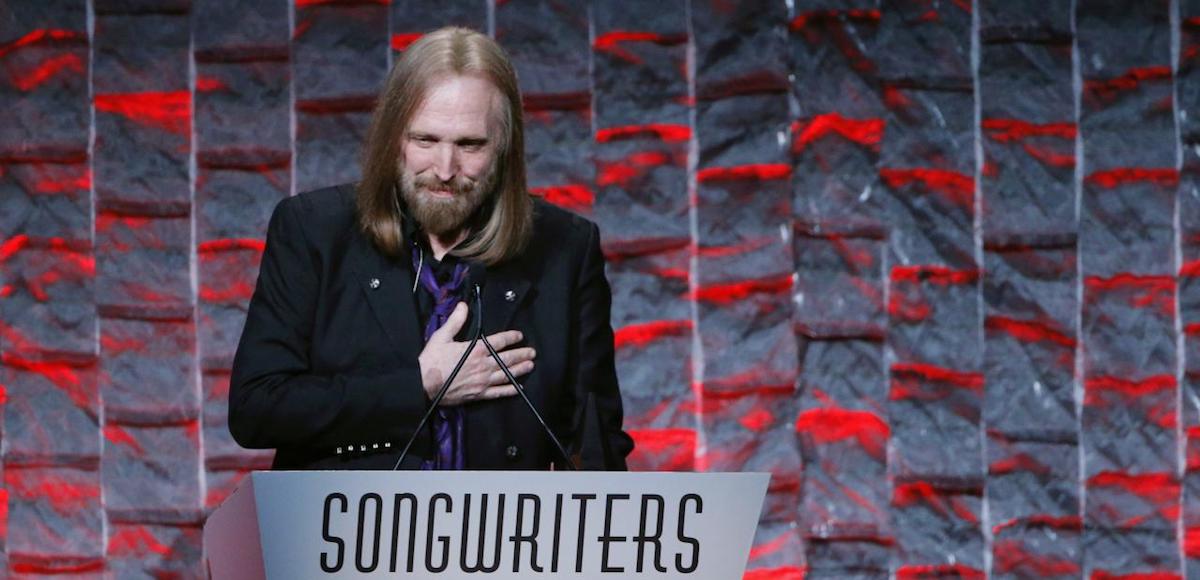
361, 308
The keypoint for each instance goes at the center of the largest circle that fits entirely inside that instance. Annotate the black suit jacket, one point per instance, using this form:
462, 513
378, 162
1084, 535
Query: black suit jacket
326, 371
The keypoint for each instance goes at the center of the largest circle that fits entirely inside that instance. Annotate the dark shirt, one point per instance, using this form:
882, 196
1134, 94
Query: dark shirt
442, 270
447, 429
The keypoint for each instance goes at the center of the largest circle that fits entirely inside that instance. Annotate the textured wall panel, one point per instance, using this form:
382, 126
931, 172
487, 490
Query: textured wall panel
151, 474
641, 183
931, 263
641, 137
777, 553
558, 145
49, 293
1028, 125
927, 175
640, 65
158, 551
53, 415
47, 311
839, 312
743, 278
148, 371
927, 169
143, 265
548, 41
48, 201
55, 520
142, 110
50, 509
1030, 342
849, 558
1033, 499
1187, 87
1024, 20
339, 53
927, 42
653, 324
244, 166
1127, 259
44, 84
227, 279
1028, 136
937, 529
411, 18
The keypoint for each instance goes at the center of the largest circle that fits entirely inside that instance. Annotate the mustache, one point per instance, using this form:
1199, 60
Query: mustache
458, 185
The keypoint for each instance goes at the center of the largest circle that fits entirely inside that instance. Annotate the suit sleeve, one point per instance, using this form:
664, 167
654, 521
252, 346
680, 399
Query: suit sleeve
598, 417
275, 401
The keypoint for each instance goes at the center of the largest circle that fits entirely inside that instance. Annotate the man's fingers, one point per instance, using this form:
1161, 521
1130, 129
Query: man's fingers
454, 323
520, 369
498, 392
517, 355
503, 340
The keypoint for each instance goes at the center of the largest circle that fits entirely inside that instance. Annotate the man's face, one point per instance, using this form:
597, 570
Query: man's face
449, 153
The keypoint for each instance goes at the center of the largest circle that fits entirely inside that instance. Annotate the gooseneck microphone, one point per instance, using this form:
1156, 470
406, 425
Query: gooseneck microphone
433, 405
521, 390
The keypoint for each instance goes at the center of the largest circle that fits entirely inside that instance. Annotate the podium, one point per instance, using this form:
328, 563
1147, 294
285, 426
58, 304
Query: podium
485, 524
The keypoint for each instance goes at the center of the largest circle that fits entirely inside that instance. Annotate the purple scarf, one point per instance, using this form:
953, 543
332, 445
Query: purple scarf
447, 421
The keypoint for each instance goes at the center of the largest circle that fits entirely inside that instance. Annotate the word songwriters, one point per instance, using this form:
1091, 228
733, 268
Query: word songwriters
492, 534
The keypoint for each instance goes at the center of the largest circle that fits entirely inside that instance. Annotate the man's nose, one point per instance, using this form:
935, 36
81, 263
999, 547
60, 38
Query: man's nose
446, 163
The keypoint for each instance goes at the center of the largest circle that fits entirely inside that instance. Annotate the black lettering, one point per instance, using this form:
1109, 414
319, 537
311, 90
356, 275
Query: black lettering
341, 544
479, 566
445, 540
642, 538
519, 537
412, 528
695, 544
557, 529
583, 499
358, 549
608, 538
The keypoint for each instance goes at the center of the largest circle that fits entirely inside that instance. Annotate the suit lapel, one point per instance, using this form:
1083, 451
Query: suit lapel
508, 287
387, 286
506, 290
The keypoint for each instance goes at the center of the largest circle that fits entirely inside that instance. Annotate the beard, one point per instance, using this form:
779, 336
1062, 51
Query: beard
441, 216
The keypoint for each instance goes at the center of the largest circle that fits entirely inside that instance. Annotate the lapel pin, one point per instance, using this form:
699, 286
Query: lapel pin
510, 296
374, 283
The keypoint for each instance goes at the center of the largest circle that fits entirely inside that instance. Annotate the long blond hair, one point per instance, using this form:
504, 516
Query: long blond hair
507, 219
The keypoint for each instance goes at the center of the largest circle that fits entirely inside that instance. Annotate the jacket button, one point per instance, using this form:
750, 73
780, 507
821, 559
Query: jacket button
513, 452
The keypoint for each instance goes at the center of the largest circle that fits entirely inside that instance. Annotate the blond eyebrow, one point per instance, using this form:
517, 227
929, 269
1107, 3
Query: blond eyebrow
460, 141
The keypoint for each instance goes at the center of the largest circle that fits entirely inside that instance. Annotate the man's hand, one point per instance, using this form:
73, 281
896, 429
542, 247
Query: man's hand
480, 377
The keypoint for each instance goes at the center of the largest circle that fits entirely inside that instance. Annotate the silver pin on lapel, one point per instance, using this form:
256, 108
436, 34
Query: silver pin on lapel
374, 283
510, 296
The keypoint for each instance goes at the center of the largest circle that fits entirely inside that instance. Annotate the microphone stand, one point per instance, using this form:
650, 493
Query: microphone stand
446, 385
521, 390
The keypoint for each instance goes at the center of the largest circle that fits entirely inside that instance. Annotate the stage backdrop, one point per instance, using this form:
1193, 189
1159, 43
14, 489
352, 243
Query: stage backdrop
929, 262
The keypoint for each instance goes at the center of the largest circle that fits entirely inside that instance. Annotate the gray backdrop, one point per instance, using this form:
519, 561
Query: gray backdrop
928, 262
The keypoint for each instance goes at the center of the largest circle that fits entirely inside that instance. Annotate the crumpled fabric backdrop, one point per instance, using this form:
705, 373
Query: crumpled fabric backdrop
929, 262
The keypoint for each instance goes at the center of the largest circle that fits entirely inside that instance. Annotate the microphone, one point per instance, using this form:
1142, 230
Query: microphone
445, 386
520, 389
476, 274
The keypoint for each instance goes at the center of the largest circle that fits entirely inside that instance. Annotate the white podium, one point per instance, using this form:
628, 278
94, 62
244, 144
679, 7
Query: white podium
472, 524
